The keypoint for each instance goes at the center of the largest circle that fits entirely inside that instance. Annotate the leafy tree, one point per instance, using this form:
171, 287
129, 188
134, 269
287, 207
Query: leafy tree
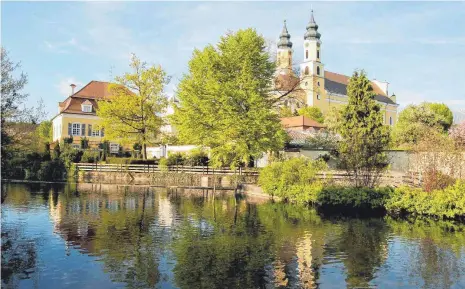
44, 131
137, 102
444, 111
417, 122
312, 112
225, 100
285, 111
364, 137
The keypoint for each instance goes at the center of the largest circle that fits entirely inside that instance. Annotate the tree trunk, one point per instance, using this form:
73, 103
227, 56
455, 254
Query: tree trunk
144, 151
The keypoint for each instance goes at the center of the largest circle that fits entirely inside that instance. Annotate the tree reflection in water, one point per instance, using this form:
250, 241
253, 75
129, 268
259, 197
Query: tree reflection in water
149, 238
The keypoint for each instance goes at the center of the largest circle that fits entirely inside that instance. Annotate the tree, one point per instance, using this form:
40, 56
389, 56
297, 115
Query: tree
225, 100
457, 133
364, 137
134, 112
312, 112
442, 110
418, 121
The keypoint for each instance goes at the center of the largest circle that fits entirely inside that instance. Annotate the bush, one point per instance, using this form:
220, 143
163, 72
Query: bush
90, 156
70, 155
51, 170
435, 180
176, 159
163, 163
445, 203
361, 198
116, 160
293, 180
196, 157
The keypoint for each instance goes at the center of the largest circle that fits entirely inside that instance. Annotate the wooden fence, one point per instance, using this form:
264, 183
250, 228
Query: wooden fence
133, 168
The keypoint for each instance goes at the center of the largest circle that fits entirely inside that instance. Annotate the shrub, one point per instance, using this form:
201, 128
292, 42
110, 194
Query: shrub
84, 143
435, 180
163, 163
90, 156
196, 157
116, 160
362, 198
443, 203
294, 180
176, 159
70, 156
51, 170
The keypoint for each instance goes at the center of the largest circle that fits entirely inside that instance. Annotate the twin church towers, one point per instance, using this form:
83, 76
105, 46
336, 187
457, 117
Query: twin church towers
316, 87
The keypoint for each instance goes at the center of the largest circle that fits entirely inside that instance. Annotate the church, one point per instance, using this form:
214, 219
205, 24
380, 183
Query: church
315, 86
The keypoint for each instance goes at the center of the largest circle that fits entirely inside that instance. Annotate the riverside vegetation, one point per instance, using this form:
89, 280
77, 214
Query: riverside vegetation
296, 180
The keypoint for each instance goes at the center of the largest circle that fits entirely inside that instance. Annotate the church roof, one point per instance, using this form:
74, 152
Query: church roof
337, 83
284, 38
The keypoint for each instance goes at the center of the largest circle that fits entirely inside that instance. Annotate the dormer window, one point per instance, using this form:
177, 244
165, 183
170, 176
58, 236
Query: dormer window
86, 106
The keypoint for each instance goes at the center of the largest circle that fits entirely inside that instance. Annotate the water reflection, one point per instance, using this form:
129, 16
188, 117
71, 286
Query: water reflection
87, 235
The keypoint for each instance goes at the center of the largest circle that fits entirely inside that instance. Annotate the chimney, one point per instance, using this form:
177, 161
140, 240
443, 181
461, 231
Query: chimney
72, 88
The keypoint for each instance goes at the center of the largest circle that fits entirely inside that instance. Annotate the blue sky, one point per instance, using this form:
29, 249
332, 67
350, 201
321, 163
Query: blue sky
418, 47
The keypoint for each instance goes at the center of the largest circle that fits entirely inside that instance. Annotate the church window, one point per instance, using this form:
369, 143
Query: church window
390, 120
318, 97
306, 54
318, 70
306, 70
306, 83
318, 83
318, 54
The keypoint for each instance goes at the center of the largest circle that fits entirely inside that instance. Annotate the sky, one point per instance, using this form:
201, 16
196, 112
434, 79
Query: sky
418, 47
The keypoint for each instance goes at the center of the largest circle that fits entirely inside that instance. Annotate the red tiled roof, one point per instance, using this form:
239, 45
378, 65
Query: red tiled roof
94, 89
300, 121
344, 79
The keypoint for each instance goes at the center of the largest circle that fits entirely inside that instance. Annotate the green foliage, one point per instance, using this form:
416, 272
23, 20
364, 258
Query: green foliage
44, 131
445, 203
84, 143
364, 135
285, 111
90, 156
176, 159
351, 197
417, 122
312, 112
69, 156
196, 157
51, 170
163, 163
68, 140
225, 100
138, 99
294, 180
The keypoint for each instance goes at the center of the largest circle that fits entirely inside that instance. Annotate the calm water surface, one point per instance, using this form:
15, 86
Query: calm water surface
103, 236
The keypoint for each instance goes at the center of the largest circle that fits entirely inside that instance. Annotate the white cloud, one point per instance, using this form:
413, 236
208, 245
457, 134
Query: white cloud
64, 88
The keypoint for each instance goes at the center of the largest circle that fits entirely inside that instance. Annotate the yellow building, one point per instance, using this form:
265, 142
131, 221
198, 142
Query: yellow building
316, 86
77, 116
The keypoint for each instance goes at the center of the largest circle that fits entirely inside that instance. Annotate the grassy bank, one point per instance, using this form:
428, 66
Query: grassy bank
296, 181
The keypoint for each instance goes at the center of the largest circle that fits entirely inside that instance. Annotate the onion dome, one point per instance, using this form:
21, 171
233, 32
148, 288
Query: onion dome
312, 30
284, 38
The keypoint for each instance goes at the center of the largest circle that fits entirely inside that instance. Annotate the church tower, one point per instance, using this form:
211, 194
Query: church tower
312, 70
284, 52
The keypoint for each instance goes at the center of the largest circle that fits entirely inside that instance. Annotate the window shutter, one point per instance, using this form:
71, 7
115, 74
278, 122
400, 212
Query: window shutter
70, 129
103, 132
83, 129
89, 127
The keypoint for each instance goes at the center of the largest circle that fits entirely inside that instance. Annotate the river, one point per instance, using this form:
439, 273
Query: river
108, 236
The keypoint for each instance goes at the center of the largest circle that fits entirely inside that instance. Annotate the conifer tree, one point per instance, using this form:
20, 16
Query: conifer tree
364, 135
225, 101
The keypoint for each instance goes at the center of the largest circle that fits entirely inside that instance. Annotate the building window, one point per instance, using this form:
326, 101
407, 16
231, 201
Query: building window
306, 54
306, 83
318, 97
306, 70
318, 83
87, 108
318, 70
390, 120
95, 132
76, 129
318, 54
114, 148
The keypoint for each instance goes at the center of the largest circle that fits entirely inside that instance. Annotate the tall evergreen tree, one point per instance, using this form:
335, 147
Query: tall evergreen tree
225, 101
364, 136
